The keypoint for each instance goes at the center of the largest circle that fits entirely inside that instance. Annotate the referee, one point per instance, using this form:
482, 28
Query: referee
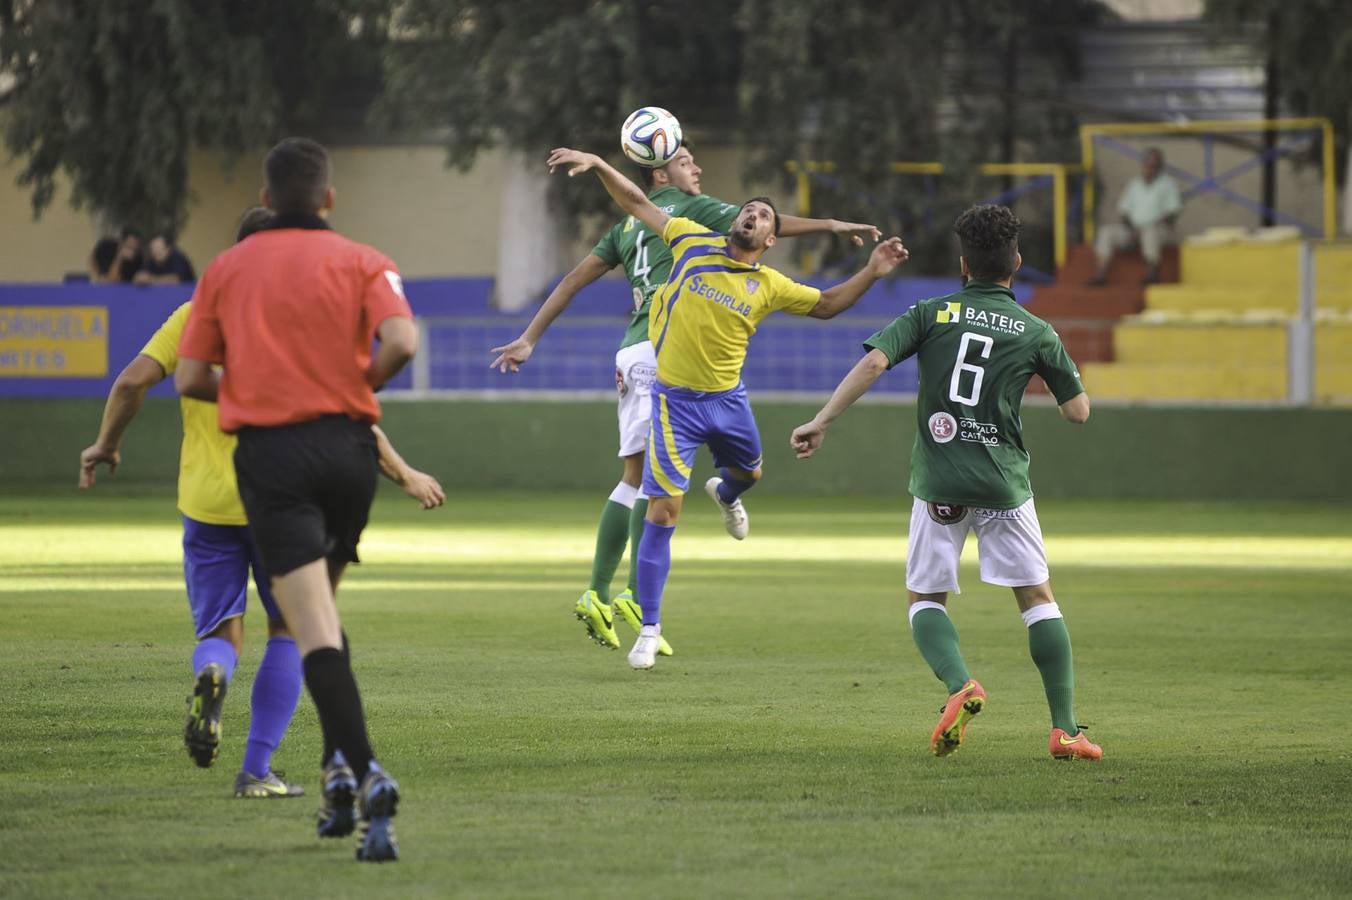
292, 314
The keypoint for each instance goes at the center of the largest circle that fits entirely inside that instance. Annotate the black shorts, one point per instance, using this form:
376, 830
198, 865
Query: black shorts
307, 489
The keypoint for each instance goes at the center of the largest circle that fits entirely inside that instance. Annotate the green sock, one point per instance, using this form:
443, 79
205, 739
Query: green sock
938, 642
611, 536
1049, 644
635, 534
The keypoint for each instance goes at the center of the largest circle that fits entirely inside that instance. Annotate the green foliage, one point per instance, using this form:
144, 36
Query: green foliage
1312, 44
116, 95
545, 74
859, 85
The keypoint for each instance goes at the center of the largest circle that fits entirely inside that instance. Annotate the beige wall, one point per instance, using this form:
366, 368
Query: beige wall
431, 220
46, 249
435, 221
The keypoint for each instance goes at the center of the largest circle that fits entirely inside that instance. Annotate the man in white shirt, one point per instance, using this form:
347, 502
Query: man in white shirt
1150, 203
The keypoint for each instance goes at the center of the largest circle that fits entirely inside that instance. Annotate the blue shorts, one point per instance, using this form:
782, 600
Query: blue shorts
216, 564
682, 420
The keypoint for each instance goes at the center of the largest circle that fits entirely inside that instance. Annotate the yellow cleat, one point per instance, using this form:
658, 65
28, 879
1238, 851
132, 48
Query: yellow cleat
594, 614
629, 610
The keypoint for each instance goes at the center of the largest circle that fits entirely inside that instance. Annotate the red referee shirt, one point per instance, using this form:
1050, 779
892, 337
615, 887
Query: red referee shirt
291, 312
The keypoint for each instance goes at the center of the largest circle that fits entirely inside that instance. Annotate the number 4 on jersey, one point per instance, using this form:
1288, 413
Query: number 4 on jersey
962, 365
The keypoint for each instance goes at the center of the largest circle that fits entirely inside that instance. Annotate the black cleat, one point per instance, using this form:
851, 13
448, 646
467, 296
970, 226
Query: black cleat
202, 733
377, 801
339, 786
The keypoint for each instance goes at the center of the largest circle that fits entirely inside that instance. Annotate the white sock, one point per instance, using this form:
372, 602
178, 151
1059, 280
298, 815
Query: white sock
624, 494
650, 631
924, 604
1041, 613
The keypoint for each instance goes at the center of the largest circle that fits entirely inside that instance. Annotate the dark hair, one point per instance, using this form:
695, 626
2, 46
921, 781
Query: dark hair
768, 202
1155, 150
104, 255
296, 172
127, 231
254, 219
989, 236
645, 173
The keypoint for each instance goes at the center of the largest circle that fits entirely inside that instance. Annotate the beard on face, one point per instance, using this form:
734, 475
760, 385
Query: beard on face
741, 239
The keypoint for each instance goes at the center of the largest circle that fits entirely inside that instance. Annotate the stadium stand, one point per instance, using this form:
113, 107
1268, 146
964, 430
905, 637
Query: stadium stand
1221, 332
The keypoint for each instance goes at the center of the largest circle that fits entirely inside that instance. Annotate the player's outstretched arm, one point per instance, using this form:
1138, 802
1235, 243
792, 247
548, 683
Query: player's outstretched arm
838, 298
857, 232
1076, 409
124, 402
624, 192
512, 356
807, 438
418, 485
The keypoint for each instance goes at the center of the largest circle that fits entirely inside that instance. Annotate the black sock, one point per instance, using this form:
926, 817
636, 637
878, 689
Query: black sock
334, 691
328, 742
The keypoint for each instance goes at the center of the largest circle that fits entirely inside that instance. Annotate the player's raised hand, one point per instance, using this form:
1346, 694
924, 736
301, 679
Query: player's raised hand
887, 256
807, 439
90, 458
580, 162
856, 232
423, 488
512, 356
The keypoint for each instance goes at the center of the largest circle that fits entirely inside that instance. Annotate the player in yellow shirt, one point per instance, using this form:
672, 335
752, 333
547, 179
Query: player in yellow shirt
701, 322
218, 554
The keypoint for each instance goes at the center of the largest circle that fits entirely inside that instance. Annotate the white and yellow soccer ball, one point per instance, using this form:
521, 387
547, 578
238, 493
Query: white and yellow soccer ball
650, 136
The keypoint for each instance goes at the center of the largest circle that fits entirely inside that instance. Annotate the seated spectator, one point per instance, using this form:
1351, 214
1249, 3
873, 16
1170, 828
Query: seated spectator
165, 264
129, 255
103, 261
1149, 207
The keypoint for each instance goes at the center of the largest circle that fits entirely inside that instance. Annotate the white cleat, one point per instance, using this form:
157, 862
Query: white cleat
734, 513
644, 654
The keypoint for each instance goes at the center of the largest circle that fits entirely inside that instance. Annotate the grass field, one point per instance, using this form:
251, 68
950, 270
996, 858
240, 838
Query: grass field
782, 752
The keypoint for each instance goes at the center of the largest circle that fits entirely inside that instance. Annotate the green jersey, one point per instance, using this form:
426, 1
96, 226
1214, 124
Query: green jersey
646, 257
976, 350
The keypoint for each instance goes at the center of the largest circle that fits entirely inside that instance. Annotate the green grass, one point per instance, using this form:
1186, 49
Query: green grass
782, 752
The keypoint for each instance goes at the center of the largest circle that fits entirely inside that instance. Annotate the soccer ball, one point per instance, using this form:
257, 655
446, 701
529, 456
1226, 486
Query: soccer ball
650, 136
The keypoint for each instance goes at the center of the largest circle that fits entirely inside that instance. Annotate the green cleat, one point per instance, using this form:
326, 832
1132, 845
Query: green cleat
629, 610
270, 785
202, 732
594, 614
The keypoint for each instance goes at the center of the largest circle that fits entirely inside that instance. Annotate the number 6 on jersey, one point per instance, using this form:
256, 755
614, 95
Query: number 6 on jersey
978, 373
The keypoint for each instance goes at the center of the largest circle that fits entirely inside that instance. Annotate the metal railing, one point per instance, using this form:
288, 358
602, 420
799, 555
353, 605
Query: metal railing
1209, 181
1042, 175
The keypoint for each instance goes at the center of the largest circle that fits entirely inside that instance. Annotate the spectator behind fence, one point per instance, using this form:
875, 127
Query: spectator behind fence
165, 264
103, 262
1149, 206
129, 257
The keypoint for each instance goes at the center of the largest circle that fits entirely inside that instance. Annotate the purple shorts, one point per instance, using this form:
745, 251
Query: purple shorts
682, 421
216, 564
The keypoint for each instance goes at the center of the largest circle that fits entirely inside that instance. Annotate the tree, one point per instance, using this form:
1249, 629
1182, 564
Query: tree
116, 95
1311, 50
537, 74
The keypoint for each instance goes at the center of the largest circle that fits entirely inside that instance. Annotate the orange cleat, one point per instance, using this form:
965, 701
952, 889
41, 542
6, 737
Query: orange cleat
1064, 746
958, 711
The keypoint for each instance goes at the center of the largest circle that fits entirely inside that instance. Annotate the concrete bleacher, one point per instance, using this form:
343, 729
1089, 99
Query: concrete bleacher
1221, 332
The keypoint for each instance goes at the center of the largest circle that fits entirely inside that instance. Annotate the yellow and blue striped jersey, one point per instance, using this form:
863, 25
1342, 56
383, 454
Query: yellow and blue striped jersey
206, 464
703, 317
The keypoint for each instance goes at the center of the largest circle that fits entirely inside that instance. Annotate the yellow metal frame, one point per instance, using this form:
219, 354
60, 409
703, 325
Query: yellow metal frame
1088, 132
1057, 171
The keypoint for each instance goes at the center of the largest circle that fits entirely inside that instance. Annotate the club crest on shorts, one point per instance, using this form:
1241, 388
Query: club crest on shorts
943, 427
946, 513
751, 285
